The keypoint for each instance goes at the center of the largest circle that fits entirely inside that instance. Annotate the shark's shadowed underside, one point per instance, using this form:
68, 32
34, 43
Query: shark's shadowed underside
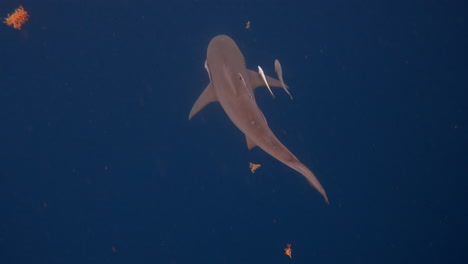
232, 85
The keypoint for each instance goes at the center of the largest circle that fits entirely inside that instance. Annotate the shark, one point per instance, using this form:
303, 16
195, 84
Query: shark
232, 85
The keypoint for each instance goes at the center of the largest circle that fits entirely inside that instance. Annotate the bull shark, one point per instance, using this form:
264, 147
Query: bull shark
232, 85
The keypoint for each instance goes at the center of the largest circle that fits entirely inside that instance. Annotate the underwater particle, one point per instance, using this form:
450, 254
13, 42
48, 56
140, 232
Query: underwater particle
247, 25
288, 250
254, 167
18, 18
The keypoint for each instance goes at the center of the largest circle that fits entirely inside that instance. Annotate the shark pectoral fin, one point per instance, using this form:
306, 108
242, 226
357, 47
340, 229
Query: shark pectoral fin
279, 71
207, 96
250, 143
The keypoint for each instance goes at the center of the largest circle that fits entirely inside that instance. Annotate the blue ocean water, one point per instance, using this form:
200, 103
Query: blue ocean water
100, 164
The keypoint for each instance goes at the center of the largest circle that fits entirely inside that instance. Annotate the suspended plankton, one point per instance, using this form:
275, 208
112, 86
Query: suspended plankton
18, 18
254, 167
288, 250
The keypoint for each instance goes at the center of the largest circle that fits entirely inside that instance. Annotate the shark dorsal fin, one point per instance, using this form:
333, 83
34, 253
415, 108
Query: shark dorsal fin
228, 79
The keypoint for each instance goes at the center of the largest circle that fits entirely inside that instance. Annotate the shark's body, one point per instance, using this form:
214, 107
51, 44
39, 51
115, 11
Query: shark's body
232, 84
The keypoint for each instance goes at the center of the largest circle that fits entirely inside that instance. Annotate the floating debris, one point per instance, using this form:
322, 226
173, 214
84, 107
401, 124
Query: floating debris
254, 167
18, 18
288, 250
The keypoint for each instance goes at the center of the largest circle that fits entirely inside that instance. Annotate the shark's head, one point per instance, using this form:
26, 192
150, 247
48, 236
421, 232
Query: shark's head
223, 50
225, 63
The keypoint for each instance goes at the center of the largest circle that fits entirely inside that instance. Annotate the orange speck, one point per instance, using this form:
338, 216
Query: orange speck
254, 167
18, 18
247, 25
288, 250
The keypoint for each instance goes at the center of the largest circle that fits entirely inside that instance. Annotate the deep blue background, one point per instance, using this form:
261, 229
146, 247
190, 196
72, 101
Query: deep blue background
99, 164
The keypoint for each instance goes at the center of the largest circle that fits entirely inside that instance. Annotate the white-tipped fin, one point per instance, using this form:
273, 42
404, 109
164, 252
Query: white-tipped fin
260, 71
279, 71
